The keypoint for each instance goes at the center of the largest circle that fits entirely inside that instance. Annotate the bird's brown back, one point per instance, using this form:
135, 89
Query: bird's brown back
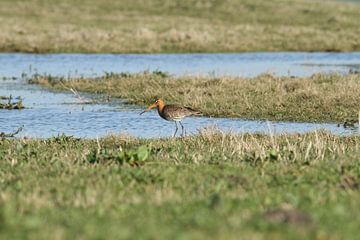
176, 112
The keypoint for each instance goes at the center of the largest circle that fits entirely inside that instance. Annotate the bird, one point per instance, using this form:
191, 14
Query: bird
172, 112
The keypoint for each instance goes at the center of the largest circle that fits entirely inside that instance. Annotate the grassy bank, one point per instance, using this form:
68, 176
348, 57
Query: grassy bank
178, 26
321, 98
212, 185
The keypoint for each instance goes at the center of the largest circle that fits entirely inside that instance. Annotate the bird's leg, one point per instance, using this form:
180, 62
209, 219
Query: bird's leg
183, 129
175, 129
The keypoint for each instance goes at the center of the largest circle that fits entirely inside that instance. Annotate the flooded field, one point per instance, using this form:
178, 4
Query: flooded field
234, 64
51, 113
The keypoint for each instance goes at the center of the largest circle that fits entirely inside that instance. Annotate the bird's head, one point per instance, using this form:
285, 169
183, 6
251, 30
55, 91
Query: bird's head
157, 103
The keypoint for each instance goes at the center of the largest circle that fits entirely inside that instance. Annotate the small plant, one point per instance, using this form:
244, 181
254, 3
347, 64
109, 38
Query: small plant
10, 104
273, 154
63, 139
132, 157
10, 135
160, 73
116, 75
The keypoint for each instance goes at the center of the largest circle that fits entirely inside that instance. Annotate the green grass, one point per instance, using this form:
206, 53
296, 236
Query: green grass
178, 26
319, 98
212, 185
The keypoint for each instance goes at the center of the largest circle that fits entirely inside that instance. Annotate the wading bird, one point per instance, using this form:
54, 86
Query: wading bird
172, 112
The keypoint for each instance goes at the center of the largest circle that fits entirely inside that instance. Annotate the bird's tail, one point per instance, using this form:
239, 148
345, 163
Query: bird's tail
194, 112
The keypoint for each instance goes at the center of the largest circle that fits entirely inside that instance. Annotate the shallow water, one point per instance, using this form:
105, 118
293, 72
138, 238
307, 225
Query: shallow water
235, 64
52, 113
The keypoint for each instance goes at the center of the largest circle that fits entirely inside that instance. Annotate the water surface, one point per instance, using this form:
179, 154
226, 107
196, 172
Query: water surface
235, 64
52, 113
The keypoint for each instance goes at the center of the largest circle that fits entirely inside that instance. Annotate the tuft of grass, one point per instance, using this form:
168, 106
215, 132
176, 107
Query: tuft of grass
211, 185
9, 104
319, 98
178, 26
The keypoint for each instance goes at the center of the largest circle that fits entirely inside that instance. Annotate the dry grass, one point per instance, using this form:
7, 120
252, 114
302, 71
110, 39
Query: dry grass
178, 26
321, 97
211, 146
258, 149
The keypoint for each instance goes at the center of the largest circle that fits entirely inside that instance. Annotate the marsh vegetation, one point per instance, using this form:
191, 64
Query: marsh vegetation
318, 98
178, 26
10, 104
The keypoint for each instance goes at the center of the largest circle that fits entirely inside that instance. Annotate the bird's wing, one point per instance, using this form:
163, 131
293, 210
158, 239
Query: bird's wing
176, 111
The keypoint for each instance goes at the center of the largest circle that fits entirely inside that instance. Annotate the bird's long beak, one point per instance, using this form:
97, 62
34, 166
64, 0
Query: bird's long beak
150, 107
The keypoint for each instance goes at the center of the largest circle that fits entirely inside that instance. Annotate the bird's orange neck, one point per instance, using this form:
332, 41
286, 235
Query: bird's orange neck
160, 106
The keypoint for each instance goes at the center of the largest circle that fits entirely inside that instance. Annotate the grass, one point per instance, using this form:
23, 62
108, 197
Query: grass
212, 185
8, 103
43, 26
319, 98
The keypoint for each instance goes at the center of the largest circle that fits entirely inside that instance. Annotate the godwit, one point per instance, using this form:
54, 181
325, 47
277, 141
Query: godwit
172, 112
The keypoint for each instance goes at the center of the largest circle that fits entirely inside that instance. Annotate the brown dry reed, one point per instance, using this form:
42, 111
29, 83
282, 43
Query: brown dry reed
318, 98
